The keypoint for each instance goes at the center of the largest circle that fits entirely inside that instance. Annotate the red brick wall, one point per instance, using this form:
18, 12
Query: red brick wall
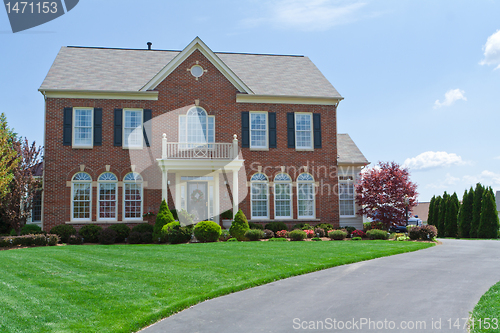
177, 93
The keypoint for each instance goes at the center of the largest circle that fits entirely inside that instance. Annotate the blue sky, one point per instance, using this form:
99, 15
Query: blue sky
420, 79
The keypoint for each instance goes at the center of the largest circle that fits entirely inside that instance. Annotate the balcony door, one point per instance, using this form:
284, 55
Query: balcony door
197, 200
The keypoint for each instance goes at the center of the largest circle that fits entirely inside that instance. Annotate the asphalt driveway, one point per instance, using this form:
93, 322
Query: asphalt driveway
431, 290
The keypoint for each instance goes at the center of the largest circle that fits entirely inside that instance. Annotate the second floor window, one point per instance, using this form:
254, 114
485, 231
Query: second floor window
132, 128
346, 195
258, 129
82, 127
196, 127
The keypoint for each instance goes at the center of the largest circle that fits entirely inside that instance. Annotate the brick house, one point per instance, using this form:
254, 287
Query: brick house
207, 131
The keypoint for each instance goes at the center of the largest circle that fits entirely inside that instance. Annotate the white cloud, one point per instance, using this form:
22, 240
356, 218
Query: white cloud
492, 50
487, 178
450, 97
433, 159
308, 15
446, 183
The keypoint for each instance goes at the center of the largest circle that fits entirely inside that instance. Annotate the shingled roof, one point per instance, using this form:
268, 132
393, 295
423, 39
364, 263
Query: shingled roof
128, 70
348, 152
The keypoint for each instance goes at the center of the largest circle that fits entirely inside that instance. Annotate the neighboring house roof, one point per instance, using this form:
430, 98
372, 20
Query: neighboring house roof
128, 70
37, 170
421, 210
348, 152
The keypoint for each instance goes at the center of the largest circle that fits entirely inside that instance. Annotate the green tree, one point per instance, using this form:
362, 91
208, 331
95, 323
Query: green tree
430, 215
451, 222
465, 214
437, 206
239, 226
9, 158
488, 223
443, 207
164, 216
476, 210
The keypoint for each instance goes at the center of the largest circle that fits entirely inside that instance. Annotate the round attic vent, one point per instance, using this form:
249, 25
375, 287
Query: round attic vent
197, 71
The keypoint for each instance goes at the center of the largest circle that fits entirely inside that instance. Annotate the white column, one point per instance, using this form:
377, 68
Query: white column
235, 192
164, 183
164, 146
235, 147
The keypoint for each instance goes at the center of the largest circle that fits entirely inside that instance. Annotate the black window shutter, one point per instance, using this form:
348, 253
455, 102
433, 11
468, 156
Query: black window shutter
118, 128
68, 126
147, 127
97, 127
245, 129
317, 130
290, 125
272, 129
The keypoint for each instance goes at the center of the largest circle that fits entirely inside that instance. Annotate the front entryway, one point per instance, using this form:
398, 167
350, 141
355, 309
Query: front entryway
197, 200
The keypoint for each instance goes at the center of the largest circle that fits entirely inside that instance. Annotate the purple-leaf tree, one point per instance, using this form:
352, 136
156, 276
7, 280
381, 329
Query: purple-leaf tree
384, 192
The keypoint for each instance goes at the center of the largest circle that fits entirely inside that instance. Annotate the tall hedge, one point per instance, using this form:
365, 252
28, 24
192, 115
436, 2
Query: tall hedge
465, 214
164, 216
476, 210
430, 215
443, 207
451, 222
239, 226
488, 222
437, 206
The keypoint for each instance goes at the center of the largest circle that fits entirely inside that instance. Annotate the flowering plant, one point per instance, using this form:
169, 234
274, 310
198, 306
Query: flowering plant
310, 233
282, 234
148, 214
358, 233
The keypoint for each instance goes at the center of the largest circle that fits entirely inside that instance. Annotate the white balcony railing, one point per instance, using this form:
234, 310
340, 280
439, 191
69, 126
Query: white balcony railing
215, 150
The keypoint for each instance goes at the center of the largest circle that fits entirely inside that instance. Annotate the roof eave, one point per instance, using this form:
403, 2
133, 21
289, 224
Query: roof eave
100, 94
288, 99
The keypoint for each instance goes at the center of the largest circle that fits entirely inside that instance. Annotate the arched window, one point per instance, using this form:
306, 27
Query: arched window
196, 127
305, 196
259, 196
132, 196
107, 196
282, 196
81, 198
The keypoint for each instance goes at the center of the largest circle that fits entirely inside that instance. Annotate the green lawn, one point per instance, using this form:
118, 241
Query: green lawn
486, 313
122, 288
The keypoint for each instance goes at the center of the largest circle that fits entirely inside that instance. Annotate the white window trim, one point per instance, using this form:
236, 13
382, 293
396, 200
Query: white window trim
266, 147
185, 124
349, 182
124, 139
312, 131
99, 183
73, 182
267, 199
142, 200
73, 131
290, 201
314, 198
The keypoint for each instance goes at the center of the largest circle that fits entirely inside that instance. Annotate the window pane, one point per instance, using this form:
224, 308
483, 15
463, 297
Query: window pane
107, 201
259, 200
133, 201
133, 128
346, 198
258, 128
303, 130
282, 199
81, 201
305, 200
83, 127
36, 213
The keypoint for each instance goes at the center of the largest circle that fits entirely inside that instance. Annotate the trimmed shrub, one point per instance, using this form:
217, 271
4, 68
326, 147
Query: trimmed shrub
90, 233
164, 216
254, 234
207, 231
162, 236
278, 240
319, 232
239, 226
358, 233
376, 234
281, 234
268, 234
255, 226
52, 240
31, 229
301, 226
309, 233
147, 238
325, 226
122, 232
337, 234
175, 215
316, 239
224, 235
107, 236
425, 232
75, 240
63, 231
356, 238
297, 235
349, 230
143, 227
232, 240
177, 234
276, 226
134, 237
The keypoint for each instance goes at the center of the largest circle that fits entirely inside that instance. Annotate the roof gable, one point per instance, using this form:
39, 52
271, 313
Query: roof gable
348, 152
197, 44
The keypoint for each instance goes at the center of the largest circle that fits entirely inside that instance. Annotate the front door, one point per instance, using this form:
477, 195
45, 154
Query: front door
197, 202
